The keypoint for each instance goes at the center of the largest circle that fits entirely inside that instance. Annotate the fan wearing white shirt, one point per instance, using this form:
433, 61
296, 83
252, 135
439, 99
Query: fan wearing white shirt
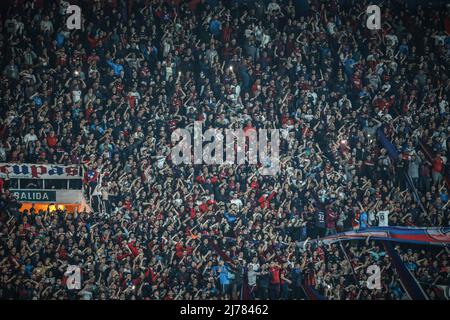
273, 6
383, 218
30, 137
237, 202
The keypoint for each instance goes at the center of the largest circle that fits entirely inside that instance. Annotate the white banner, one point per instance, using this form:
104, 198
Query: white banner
40, 171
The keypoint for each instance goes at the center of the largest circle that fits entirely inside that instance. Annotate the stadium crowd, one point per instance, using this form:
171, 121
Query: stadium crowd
364, 117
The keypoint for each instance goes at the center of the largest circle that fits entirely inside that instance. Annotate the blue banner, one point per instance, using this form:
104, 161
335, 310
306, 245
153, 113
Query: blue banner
428, 236
391, 149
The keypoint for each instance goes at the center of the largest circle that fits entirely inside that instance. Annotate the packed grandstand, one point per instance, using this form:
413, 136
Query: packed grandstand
364, 122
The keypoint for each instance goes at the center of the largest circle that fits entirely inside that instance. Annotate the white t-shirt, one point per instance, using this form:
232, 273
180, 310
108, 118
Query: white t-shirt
237, 202
383, 218
47, 25
273, 6
251, 277
76, 94
30, 137
160, 162
2, 154
63, 7
393, 38
331, 27
371, 218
